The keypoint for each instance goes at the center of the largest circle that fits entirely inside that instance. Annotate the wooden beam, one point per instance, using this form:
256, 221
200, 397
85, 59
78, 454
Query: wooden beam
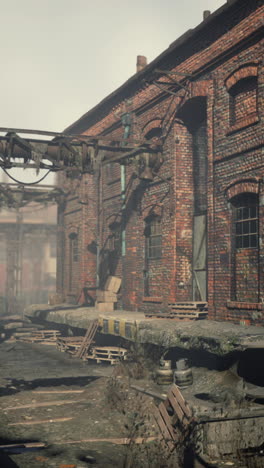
39, 421
50, 392
46, 403
121, 441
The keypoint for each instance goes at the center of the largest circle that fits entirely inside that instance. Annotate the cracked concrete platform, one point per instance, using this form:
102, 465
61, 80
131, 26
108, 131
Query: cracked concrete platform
216, 337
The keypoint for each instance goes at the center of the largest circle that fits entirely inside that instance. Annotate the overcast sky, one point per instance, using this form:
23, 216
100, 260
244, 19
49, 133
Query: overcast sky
61, 57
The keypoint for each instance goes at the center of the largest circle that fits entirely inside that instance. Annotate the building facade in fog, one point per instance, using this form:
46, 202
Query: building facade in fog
27, 255
187, 223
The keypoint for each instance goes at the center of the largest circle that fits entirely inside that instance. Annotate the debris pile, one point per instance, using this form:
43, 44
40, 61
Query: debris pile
84, 347
16, 327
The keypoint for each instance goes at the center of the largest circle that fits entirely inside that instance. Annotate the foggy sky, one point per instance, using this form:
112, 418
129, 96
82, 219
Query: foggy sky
59, 58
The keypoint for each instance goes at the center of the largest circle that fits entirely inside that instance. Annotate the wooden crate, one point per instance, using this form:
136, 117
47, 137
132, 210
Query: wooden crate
106, 296
104, 306
113, 284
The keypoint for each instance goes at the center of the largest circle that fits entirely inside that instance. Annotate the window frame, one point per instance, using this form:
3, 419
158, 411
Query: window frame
246, 221
153, 238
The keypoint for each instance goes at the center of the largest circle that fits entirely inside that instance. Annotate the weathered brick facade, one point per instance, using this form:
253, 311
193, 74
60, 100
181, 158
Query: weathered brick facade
205, 204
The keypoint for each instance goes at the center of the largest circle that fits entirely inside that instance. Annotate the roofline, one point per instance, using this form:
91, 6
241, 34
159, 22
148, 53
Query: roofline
136, 82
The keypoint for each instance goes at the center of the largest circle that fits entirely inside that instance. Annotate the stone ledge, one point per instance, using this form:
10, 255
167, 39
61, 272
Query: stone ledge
218, 338
245, 305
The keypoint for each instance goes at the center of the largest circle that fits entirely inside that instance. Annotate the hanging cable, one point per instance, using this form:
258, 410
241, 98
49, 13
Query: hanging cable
25, 183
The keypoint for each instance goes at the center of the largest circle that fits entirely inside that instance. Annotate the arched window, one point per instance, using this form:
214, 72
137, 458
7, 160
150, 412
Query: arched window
74, 251
243, 99
242, 88
246, 220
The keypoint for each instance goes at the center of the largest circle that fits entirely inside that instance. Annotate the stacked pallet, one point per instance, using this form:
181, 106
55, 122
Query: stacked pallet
183, 311
47, 337
112, 354
69, 344
105, 299
78, 346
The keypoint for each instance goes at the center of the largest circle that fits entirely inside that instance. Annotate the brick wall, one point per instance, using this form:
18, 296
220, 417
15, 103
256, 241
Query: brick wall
96, 205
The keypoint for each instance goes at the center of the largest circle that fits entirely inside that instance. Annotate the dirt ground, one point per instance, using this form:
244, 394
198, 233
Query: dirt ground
27, 371
61, 402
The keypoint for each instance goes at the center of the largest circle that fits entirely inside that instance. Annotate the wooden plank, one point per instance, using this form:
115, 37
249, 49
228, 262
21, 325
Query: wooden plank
172, 401
159, 396
70, 339
184, 406
99, 360
39, 421
23, 445
87, 341
42, 404
162, 426
188, 305
115, 349
167, 420
56, 391
120, 441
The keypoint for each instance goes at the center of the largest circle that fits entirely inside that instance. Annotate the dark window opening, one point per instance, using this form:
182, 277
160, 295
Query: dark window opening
243, 99
74, 249
115, 239
200, 168
116, 327
153, 238
246, 221
74, 256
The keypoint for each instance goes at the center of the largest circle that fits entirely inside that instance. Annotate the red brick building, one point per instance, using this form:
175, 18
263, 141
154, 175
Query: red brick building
187, 223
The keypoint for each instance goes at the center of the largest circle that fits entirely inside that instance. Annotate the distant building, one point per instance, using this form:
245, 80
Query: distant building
186, 224
27, 250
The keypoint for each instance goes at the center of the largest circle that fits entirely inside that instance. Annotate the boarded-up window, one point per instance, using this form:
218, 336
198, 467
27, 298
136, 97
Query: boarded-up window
243, 99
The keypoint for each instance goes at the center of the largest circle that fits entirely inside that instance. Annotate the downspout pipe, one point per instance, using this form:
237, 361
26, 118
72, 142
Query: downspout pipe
123, 207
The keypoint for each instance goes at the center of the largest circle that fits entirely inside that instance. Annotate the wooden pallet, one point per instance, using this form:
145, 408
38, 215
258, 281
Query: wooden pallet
178, 315
69, 343
203, 306
111, 354
109, 350
172, 416
41, 337
100, 360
